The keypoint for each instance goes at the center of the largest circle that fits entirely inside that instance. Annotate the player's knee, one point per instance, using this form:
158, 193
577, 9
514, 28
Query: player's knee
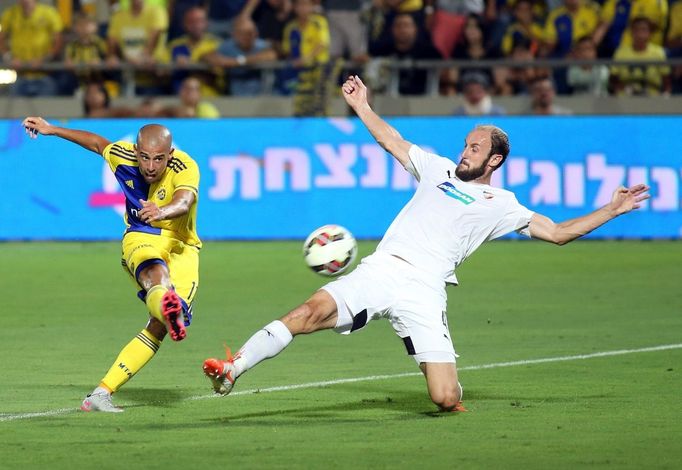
312, 317
306, 318
446, 397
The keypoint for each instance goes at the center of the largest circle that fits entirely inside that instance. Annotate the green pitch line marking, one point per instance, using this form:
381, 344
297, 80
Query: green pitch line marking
620, 352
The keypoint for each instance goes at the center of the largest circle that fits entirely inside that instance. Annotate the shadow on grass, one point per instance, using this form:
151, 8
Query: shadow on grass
156, 397
393, 407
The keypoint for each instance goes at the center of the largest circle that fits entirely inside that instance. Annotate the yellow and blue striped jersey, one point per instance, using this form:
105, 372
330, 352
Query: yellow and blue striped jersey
181, 173
309, 42
620, 13
564, 28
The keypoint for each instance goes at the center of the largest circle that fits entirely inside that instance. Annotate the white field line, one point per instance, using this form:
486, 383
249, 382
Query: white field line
326, 383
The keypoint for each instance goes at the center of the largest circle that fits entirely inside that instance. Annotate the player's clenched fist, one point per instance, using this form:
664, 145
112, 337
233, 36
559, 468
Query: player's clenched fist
150, 212
354, 91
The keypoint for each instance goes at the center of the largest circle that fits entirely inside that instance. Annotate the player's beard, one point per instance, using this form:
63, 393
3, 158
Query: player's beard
471, 174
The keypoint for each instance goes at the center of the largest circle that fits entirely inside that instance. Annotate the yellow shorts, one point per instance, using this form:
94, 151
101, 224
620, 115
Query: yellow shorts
141, 250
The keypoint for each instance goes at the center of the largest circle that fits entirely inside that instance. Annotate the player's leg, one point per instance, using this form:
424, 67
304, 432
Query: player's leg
420, 320
141, 349
443, 385
316, 313
346, 305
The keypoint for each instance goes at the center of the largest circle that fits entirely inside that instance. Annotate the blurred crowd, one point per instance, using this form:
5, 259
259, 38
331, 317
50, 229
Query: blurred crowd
320, 39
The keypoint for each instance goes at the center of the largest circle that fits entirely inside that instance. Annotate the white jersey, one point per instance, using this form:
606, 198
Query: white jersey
447, 218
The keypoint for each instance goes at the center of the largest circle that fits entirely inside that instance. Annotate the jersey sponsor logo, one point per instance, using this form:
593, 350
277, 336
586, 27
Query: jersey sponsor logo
450, 190
161, 194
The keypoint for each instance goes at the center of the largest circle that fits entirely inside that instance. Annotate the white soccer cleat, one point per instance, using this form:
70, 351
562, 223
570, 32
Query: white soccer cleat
221, 373
100, 402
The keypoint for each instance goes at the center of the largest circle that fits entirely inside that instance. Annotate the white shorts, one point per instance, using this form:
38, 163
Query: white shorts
384, 286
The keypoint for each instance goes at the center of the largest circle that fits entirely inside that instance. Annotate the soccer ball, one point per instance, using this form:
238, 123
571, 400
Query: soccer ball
330, 250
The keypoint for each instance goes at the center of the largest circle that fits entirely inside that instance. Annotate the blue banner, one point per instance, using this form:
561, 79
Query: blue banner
281, 178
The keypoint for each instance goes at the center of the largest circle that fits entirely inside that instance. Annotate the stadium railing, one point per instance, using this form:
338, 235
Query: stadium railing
393, 66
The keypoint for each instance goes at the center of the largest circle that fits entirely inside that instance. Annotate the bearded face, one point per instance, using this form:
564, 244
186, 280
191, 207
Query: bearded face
467, 172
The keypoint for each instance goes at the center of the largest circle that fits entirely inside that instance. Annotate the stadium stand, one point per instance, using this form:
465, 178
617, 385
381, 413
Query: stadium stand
418, 53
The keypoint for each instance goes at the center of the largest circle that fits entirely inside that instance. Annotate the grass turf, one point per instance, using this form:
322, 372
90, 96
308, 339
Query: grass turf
68, 309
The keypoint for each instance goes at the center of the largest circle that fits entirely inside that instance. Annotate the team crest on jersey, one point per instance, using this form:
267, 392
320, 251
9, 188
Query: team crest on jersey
161, 194
450, 190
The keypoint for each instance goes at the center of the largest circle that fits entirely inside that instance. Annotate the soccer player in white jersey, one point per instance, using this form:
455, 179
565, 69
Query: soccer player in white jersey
453, 211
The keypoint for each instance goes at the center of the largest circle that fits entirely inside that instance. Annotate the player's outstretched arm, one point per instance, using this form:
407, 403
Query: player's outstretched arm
88, 140
623, 201
179, 206
355, 93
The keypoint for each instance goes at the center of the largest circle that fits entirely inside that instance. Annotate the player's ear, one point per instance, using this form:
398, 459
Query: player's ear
495, 160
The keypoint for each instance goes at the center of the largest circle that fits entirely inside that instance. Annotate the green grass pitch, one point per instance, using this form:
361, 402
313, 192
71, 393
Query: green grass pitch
67, 309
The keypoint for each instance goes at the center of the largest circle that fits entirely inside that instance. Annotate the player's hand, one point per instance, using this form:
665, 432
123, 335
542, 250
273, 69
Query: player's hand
37, 125
627, 199
150, 212
354, 92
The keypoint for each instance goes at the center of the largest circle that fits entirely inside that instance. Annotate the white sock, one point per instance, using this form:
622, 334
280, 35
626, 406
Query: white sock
100, 391
266, 343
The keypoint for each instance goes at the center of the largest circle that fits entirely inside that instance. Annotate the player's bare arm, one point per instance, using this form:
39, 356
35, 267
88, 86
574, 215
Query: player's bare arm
87, 140
179, 206
623, 201
355, 93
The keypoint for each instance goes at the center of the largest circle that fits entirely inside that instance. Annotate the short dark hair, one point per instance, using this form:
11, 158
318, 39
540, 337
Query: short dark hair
643, 20
499, 141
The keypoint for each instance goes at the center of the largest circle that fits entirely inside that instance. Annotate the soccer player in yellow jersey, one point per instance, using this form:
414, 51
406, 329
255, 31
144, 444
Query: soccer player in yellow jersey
160, 245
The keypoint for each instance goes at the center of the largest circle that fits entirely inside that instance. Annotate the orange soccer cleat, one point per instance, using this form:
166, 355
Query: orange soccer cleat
221, 373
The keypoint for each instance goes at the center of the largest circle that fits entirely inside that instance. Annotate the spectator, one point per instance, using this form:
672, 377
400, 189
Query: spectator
674, 43
542, 99
674, 37
382, 15
448, 21
473, 48
96, 100
306, 44
191, 105
567, 23
407, 44
221, 14
244, 48
306, 38
136, 36
447, 85
190, 48
524, 27
649, 80
615, 16
34, 33
99, 10
97, 104
587, 79
86, 48
176, 16
477, 100
517, 80
348, 35
270, 16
